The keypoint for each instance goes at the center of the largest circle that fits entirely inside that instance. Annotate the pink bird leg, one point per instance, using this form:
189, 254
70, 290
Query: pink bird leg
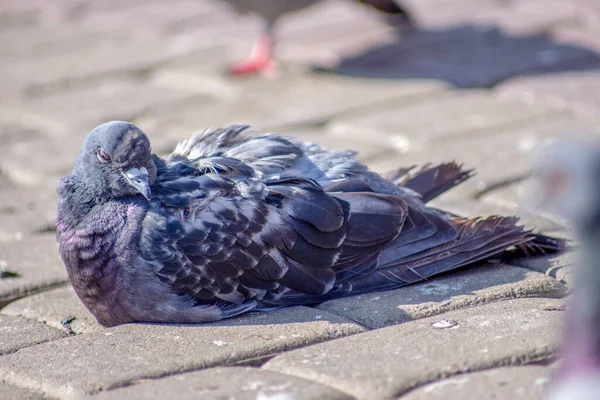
260, 59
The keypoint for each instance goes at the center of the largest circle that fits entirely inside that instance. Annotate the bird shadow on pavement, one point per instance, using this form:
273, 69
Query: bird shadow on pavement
466, 56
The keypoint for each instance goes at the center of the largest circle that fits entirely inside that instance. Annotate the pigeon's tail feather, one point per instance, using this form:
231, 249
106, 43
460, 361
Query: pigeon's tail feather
477, 240
539, 245
430, 182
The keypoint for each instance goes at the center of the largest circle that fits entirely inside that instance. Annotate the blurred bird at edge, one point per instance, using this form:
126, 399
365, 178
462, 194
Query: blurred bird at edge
566, 183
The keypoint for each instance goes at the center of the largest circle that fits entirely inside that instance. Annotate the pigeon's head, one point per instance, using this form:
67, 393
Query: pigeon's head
567, 181
116, 159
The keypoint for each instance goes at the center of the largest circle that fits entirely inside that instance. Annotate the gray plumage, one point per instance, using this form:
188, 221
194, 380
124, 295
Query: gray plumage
567, 184
231, 222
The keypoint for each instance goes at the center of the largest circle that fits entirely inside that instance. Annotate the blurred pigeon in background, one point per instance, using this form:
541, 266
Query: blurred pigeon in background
567, 183
261, 55
231, 222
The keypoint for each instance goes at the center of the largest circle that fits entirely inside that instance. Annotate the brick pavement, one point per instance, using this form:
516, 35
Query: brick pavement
482, 81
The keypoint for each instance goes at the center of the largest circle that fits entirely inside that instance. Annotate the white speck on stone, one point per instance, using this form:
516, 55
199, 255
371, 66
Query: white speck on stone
484, 323
219, 342
108, 333
541, 381
253, 385
275, 396
445, 324
3, 264
401, 143
176, 337
19, 236
526, 144
375, 298
318, 316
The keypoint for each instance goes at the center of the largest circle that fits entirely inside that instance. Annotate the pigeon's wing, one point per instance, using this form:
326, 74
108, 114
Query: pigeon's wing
297, 239
430, 181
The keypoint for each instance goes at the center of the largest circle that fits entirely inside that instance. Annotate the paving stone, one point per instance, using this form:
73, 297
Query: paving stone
18, 332
419, 124
60, 69
156, 16
574, 91
109, 99
30, 265
121, 355
294, 101
16, 393
524, 16
43, 40
499, 153
557, 266
583, 33
59, 308
515, 383
226, 383
470, 287
387, 362
329, 30
25, 211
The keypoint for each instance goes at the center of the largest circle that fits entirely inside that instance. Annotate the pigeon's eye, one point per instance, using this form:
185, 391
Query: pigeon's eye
102, 155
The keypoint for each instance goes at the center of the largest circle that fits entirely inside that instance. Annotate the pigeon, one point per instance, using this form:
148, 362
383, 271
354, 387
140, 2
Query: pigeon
261, 55
565, 183
234, 221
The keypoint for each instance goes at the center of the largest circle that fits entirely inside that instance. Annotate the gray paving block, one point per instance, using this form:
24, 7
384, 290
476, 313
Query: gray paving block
54, 157
44, 39
574, 91
387, 362
436, 13
499, 154
515, 383
447, 117
530, 17
288, 101
226, 383
60, 308
118, 356
12, 392
82, 108
25, 211
470, 287
558, 266
29, 266
18, 332
58, 69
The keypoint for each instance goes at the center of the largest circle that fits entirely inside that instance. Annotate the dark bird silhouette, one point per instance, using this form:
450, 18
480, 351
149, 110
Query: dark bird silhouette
260, 58
231, 222
566, 184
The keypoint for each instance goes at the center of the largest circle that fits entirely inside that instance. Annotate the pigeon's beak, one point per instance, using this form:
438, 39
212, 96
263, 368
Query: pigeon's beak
138, 178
